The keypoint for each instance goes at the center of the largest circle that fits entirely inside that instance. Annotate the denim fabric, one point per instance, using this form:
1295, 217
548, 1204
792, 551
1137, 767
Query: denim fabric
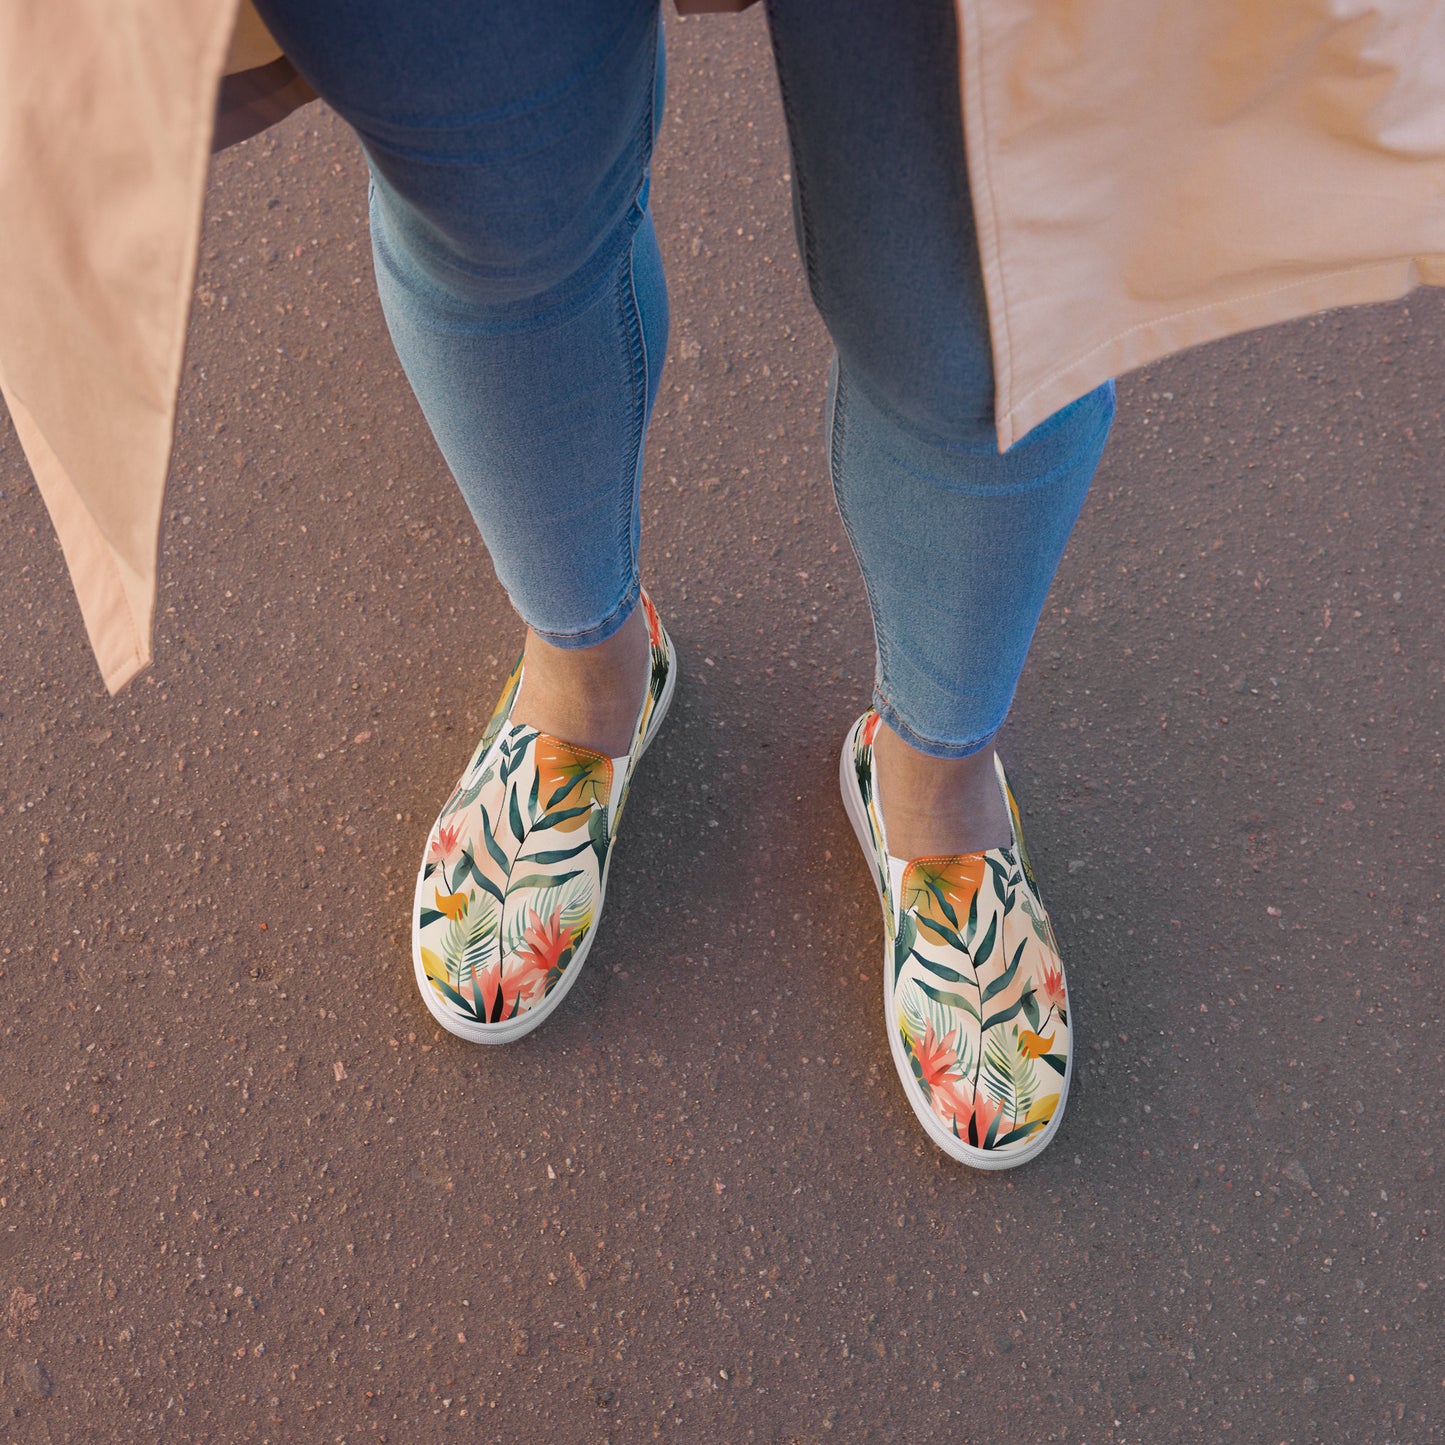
509, 146
957, 543
518, 268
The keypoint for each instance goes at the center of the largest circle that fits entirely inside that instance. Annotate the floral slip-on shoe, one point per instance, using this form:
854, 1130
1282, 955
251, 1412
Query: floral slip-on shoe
973, 987
511, 884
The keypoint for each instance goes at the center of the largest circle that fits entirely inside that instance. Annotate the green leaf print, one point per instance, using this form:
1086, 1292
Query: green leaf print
912, 1058
941, 931
454, 943
597, 835
903, 944
469, 869
499, 857
913, 1004
943, 1024
567, 785
920, 1014
468, 796
946, 997
459, 873
1022, 1132
514, 749
573, 902
554, 974
554, 855
550, 820
982, 953
1007, 976
1003, 1016
1000, 875
1034, 919
481, 936
542, 880
863, 770
1031, 1007
948, 975
1008, 1073
453, 996
970, 929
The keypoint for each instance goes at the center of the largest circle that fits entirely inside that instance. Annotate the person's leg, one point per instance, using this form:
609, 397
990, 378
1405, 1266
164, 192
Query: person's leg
957, 543
508, 145
522, 283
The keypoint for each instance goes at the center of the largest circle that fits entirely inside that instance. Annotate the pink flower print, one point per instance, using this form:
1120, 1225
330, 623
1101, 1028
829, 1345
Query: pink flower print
937, 1060
1053, 988
444, 843
543, 945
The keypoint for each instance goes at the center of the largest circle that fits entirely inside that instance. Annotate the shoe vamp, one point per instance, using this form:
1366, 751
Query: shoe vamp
980, 1021
516, 886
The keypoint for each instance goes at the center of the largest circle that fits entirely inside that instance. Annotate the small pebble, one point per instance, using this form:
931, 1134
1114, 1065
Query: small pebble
1294, 1171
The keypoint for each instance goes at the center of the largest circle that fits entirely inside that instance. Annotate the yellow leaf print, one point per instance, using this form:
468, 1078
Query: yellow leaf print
454, 905
1033, 1046
1043, 1110
933, 887
435, 968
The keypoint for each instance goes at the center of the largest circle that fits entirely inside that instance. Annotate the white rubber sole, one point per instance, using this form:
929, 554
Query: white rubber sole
513, 1029
951, 1145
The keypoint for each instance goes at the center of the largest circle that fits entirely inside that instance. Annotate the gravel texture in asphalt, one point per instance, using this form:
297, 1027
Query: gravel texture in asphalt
248, 1191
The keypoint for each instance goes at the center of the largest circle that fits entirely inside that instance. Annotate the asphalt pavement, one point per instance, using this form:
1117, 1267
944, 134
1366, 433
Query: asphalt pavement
248, 1190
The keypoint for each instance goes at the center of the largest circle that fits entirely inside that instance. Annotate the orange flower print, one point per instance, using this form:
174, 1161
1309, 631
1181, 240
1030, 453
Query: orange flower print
543, 945
453, 905
937, 1060
494, 993
654, 625
1053, 988
870, 729
444, 843
935, 888
568, 778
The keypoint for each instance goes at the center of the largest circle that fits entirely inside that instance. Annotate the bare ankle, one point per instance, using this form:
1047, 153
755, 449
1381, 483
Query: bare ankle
588, 696
936, 807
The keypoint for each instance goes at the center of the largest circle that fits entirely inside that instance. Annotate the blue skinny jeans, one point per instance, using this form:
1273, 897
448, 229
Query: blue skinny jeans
509, 145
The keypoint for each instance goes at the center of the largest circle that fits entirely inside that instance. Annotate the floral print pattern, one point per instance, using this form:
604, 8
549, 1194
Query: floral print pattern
512, 879
974, 990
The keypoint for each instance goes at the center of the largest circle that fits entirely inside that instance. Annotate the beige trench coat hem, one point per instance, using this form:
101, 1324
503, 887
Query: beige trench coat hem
1149, 175
1017, 414
97, 429
117, 602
